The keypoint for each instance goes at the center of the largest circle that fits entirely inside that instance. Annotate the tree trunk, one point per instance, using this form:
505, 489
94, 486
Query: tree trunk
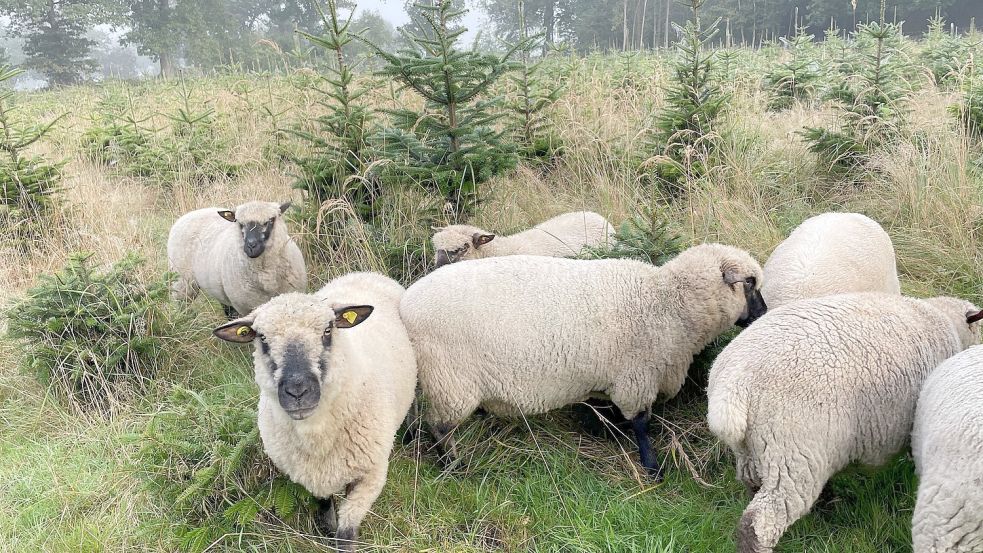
549, 22
166, 65
668, 8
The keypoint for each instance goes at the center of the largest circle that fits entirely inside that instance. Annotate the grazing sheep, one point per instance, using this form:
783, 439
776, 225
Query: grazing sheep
241, 259
820, 383
562, 236
832, 253
947, 443
524, 335
332, 396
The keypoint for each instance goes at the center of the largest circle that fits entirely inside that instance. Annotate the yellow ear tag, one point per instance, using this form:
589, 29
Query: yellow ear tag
350, 316
243, 330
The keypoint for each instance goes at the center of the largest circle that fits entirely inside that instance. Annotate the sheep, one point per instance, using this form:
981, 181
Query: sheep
562, 236
241, 258
523, 335
820, 383
832, 253
332, 396
947, 444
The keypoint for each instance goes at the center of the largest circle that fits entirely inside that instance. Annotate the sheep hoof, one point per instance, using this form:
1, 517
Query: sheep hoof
326, 518
654, 473
747, 538
345, 540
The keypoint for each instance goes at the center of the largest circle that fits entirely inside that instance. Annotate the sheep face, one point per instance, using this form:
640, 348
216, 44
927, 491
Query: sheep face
459, 242
742, 274
965, 318
293, 358
257, 222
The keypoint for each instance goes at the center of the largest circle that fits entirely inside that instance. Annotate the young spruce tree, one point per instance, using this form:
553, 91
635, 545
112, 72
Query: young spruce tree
797, 77
451, 146
533, 97
339, 149
28, 183
684, 128
873, 111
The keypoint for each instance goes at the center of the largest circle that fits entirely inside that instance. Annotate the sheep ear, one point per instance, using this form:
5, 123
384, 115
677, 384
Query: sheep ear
239, 331
731, 274
478, 239
353, 315
284, 207
229, 216
974, 317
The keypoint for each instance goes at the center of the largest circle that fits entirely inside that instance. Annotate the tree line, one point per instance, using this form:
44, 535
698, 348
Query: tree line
213, 33
635, 24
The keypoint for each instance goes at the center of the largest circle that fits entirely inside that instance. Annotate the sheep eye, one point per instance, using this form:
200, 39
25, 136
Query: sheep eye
264, 346
326, 337
751, 281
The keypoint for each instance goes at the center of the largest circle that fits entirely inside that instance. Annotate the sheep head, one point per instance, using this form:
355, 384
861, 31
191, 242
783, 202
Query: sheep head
293, 356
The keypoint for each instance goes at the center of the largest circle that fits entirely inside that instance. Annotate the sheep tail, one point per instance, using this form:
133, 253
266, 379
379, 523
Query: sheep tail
727, 417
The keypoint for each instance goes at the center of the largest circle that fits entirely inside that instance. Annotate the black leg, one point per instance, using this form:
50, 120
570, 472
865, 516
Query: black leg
326, 517
346, 539
412, 422
230, 312
640, 425
444, 442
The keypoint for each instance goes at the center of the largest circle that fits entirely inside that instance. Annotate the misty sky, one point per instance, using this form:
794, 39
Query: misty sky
392, 11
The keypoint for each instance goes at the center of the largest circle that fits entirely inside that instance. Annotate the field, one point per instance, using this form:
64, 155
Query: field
114, 477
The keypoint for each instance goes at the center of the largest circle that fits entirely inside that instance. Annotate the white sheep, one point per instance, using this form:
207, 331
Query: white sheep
336, 375
947, 443
820, 383
241, 259
525, 334
832, 253
562, 236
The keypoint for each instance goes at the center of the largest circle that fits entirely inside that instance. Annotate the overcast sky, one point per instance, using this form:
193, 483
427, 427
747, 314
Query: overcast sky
392, 11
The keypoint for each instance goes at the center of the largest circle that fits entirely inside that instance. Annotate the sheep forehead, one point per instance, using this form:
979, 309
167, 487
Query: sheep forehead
257, 212
454, 236
738, 259
289, 315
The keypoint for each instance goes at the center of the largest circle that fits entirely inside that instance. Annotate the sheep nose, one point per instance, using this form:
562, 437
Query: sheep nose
296, 390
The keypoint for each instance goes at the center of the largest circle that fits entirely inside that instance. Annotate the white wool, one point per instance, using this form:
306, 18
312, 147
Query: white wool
819, 383
528, 334
368, 380
832, 253
206, 251
947, 444
565, 235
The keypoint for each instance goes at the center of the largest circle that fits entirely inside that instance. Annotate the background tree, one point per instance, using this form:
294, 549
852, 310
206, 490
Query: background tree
55, 44
451, 146
374, 29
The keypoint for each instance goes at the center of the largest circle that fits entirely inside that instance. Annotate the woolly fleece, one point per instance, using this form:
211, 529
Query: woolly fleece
947, 443
818, 384
206, 252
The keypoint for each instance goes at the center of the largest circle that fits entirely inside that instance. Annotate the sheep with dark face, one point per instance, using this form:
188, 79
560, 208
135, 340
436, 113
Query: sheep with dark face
241, 259
336, 375
562, 236
524, 335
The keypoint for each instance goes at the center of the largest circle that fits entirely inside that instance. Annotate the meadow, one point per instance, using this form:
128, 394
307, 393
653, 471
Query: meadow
170, 459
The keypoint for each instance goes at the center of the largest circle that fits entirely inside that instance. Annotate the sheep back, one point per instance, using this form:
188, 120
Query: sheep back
832, 253
527, 334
